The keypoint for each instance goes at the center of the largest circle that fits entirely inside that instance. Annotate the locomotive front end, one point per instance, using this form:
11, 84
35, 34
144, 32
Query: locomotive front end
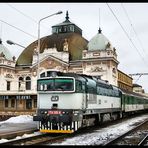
55, 121
58, 107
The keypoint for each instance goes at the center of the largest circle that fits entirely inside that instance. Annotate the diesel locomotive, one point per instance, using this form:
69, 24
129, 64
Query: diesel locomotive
68, 101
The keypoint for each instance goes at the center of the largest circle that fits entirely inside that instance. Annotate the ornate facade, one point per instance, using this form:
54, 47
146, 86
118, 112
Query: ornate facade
65, 50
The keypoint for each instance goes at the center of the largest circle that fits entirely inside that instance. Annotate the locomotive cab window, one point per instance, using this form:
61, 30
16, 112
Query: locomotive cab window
56, 84
78, 86
64, 84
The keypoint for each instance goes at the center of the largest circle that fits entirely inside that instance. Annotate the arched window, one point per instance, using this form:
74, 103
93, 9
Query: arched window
20, 80
28, 83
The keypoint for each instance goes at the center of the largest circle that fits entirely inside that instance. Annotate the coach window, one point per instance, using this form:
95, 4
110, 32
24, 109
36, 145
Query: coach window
28, 83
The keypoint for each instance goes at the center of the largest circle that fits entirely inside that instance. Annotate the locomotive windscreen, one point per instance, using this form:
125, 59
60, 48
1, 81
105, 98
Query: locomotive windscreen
56, 84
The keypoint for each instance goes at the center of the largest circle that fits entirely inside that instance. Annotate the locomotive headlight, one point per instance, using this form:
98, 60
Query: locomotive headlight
45, 112
42, 112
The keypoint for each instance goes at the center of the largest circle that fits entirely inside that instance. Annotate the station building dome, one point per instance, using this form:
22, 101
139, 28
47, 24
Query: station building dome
60, 32
4, 52
99, 42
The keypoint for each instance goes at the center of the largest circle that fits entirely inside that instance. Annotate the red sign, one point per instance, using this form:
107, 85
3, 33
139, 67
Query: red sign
54, 112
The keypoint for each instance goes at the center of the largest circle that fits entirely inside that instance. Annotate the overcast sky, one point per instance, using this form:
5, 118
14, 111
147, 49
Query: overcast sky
128, 34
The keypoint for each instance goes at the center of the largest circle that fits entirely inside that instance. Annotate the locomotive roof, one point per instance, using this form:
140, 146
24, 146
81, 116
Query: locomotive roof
92, 80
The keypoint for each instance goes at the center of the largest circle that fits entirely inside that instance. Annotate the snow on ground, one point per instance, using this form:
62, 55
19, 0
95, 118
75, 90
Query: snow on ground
96, 138
100, 136
20, 137
28, 119
19, 119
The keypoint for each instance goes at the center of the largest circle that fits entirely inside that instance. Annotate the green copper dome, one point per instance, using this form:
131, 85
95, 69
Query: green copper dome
65, 30
98, 42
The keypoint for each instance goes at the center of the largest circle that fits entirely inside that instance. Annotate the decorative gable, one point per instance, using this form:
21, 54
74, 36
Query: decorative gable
53, 63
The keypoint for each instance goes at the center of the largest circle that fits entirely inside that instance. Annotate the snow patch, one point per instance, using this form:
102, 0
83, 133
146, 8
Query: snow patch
19, 119
100, 136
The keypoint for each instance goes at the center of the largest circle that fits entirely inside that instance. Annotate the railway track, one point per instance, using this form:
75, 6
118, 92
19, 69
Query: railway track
52, 138
136, 136
36, 139
13, 134
144, 141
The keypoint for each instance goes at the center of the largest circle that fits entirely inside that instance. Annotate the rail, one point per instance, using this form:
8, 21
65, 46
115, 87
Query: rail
119, 138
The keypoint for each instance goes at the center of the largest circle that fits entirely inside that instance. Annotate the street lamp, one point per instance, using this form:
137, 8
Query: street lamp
38, 47
13, 43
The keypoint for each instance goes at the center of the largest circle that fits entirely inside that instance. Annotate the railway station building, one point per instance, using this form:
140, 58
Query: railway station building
64, 50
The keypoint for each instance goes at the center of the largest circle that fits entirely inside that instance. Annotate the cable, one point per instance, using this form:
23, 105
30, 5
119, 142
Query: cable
126, 34
19, 29
22, 13
25, 15
133, 28
138, 79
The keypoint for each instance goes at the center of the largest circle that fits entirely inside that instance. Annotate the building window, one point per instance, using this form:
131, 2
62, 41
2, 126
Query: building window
54, 30
8, 85
13, 103
71, 28
21, 101
64, 29
28, 83
29, 104
114, 70
6, 102
35, 103
60, 29
20, 80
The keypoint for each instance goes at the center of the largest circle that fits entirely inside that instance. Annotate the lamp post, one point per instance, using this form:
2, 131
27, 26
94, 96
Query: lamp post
38, 47
13, 43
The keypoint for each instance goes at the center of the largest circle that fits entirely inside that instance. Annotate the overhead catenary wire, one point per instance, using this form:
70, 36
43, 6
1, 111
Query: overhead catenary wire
18, 29
21, 13
141, 45
126, 33
32, 19
133, 28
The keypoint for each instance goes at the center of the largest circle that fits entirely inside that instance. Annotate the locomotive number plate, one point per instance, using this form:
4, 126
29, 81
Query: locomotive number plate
54, 112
